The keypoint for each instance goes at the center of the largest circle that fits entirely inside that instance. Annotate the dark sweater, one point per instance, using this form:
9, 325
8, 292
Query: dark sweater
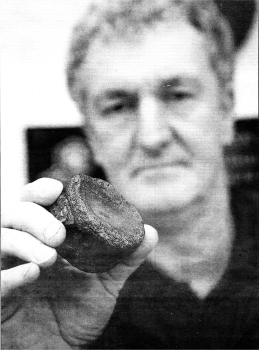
155, 312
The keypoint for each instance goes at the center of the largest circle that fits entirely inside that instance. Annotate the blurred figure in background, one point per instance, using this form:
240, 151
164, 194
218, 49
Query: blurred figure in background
70, 157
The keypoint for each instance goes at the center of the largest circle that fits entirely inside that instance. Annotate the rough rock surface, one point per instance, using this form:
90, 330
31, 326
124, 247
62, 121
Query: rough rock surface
102, 227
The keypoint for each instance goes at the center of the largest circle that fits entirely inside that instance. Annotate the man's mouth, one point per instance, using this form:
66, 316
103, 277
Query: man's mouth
159, 166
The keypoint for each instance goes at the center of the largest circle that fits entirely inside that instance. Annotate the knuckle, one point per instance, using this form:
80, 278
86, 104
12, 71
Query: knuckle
14, 214
7, 214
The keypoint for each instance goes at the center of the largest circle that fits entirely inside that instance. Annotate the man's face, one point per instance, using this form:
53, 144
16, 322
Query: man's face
155, 118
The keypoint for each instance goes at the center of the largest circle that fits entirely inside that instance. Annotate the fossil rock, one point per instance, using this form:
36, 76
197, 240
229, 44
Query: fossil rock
102, 227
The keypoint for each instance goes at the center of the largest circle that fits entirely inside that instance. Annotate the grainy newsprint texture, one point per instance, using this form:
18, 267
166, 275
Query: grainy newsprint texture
159, 101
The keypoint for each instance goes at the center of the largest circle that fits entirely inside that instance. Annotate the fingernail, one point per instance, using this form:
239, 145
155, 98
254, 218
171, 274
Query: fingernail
52, 229
27, 270
44, 258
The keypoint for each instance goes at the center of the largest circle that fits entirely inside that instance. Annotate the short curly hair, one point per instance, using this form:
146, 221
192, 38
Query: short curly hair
110, 18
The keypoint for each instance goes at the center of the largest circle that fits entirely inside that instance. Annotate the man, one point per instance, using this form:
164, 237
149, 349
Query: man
153, 80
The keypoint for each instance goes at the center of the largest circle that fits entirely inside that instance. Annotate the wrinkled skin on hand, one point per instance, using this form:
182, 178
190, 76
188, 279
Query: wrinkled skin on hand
63, 304
49, 304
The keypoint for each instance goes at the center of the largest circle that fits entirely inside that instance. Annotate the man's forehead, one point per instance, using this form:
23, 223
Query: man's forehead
166, 53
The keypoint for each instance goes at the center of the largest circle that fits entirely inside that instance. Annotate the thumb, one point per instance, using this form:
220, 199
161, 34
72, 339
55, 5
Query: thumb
123, 270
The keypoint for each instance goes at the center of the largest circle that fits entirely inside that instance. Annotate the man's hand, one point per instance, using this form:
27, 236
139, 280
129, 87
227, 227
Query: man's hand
46, 302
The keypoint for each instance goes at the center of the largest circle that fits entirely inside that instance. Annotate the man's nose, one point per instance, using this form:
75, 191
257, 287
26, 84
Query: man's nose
154, 130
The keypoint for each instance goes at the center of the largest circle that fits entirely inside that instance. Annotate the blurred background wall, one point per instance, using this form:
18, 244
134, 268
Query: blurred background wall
34, 39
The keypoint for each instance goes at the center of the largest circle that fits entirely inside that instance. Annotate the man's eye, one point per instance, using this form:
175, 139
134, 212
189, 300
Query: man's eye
182, 95
114, 108
120, 106
178, 96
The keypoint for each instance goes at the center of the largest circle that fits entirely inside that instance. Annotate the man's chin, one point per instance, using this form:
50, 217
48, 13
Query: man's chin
163, 199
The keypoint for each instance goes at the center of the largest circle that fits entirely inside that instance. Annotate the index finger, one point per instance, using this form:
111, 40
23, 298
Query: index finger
35, 220
43, 191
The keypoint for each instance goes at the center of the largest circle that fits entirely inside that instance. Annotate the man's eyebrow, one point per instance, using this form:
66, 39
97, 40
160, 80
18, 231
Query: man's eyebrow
177, 81
113, 94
